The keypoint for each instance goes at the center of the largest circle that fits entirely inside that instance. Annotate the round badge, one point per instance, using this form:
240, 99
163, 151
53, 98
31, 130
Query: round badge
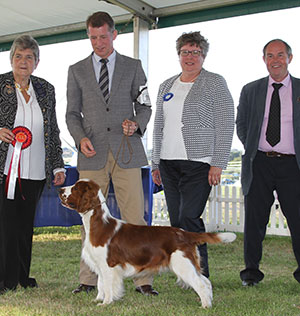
168, 96
23, 135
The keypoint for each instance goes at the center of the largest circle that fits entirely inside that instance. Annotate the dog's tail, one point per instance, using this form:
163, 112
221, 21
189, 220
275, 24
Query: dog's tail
213, 238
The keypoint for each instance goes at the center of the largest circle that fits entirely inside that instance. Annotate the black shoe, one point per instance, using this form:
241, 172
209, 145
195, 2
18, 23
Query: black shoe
4, 289
249, 282
30, 282
146, 290
84, 288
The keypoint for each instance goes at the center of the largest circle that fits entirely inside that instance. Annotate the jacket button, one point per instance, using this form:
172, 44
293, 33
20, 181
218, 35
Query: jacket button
108, 129
107, 109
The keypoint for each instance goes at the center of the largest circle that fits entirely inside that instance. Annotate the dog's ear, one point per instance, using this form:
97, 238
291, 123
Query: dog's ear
89, 198
83, 204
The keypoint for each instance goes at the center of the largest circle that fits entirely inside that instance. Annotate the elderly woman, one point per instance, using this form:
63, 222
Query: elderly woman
29, 138
192, 137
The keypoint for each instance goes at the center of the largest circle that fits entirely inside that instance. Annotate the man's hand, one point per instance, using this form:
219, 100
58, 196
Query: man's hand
214, 175
87, 148
129, 127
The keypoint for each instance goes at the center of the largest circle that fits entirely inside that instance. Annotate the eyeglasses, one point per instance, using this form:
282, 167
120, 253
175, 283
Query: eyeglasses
194, 53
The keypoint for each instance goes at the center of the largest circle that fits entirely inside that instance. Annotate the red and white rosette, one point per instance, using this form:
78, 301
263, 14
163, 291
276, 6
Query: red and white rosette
23, 139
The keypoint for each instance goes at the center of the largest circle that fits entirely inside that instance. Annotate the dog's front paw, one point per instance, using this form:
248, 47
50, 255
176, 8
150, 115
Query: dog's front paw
97, 299
105, 302
100, 295
208, 305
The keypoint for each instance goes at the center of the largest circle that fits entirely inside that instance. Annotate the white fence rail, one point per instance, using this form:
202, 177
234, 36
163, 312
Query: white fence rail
224, 211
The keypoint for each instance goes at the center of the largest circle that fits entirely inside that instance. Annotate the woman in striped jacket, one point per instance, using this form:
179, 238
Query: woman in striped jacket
192, 137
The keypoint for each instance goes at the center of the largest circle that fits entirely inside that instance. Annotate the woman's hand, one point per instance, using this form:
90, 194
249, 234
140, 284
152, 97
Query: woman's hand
59, 178
156, 177
214, 175
6, 135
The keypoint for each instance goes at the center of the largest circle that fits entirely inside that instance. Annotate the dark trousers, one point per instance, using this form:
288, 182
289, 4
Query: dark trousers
186, 190
269, 174
17, 217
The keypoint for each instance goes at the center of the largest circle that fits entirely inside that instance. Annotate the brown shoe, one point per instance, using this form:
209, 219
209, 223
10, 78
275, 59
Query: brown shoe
84, 288
146, 290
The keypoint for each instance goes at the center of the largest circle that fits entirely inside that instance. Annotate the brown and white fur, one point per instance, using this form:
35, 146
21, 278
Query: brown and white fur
115, 250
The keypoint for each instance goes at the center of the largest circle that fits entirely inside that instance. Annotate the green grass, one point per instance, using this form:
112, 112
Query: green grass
55, 264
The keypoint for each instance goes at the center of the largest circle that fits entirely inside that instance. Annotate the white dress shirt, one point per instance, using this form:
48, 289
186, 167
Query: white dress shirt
33, 157
110, 66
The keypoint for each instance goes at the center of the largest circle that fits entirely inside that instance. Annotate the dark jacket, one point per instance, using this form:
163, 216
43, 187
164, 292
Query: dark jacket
46, 99
249, 121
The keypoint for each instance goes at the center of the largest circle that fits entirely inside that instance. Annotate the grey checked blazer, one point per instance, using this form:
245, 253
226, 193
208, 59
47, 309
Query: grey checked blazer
46, 99
208, 119
249, 121
89, 116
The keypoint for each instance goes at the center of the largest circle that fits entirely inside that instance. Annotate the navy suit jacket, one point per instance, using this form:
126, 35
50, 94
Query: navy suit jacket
249, 121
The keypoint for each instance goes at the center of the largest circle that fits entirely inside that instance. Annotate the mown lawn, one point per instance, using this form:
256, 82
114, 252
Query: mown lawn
55, 265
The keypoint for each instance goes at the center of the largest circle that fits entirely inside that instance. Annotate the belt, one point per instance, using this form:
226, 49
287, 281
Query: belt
275, 154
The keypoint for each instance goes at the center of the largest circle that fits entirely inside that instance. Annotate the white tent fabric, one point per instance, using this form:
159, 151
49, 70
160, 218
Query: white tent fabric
43, 17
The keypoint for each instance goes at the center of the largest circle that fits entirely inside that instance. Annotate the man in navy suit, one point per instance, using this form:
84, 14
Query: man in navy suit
270, 163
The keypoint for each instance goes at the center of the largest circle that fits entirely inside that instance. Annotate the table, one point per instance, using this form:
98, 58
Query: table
50, 212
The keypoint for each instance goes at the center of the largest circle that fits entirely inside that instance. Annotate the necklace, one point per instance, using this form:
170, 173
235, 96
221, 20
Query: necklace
20, 88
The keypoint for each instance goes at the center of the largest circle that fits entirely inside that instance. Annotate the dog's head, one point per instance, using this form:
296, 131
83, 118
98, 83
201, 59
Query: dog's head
81, 196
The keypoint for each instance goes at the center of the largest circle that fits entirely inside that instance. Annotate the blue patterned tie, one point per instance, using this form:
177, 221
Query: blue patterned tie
273, 128
104, 80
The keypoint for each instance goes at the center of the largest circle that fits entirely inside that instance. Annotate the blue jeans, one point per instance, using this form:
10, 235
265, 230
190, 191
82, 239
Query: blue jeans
187, 189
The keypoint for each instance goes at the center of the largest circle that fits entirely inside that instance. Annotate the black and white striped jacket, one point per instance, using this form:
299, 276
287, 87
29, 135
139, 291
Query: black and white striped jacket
207, 117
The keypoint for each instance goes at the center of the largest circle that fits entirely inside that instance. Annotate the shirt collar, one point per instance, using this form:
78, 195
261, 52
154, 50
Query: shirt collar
110, 58
285, 81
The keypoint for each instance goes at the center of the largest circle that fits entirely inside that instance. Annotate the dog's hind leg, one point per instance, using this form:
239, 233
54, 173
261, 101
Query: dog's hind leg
185, 270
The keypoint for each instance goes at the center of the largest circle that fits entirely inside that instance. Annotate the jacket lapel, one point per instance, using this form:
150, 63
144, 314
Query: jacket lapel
41, 93
296, 101
261, 94
91, 76
120, 68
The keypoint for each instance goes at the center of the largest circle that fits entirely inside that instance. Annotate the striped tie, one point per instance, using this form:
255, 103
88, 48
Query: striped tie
103, 79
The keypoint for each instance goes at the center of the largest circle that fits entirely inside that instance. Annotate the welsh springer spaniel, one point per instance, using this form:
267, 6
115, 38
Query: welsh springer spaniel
114, 249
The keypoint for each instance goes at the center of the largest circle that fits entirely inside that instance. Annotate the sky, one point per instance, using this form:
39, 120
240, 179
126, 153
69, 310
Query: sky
235, 53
